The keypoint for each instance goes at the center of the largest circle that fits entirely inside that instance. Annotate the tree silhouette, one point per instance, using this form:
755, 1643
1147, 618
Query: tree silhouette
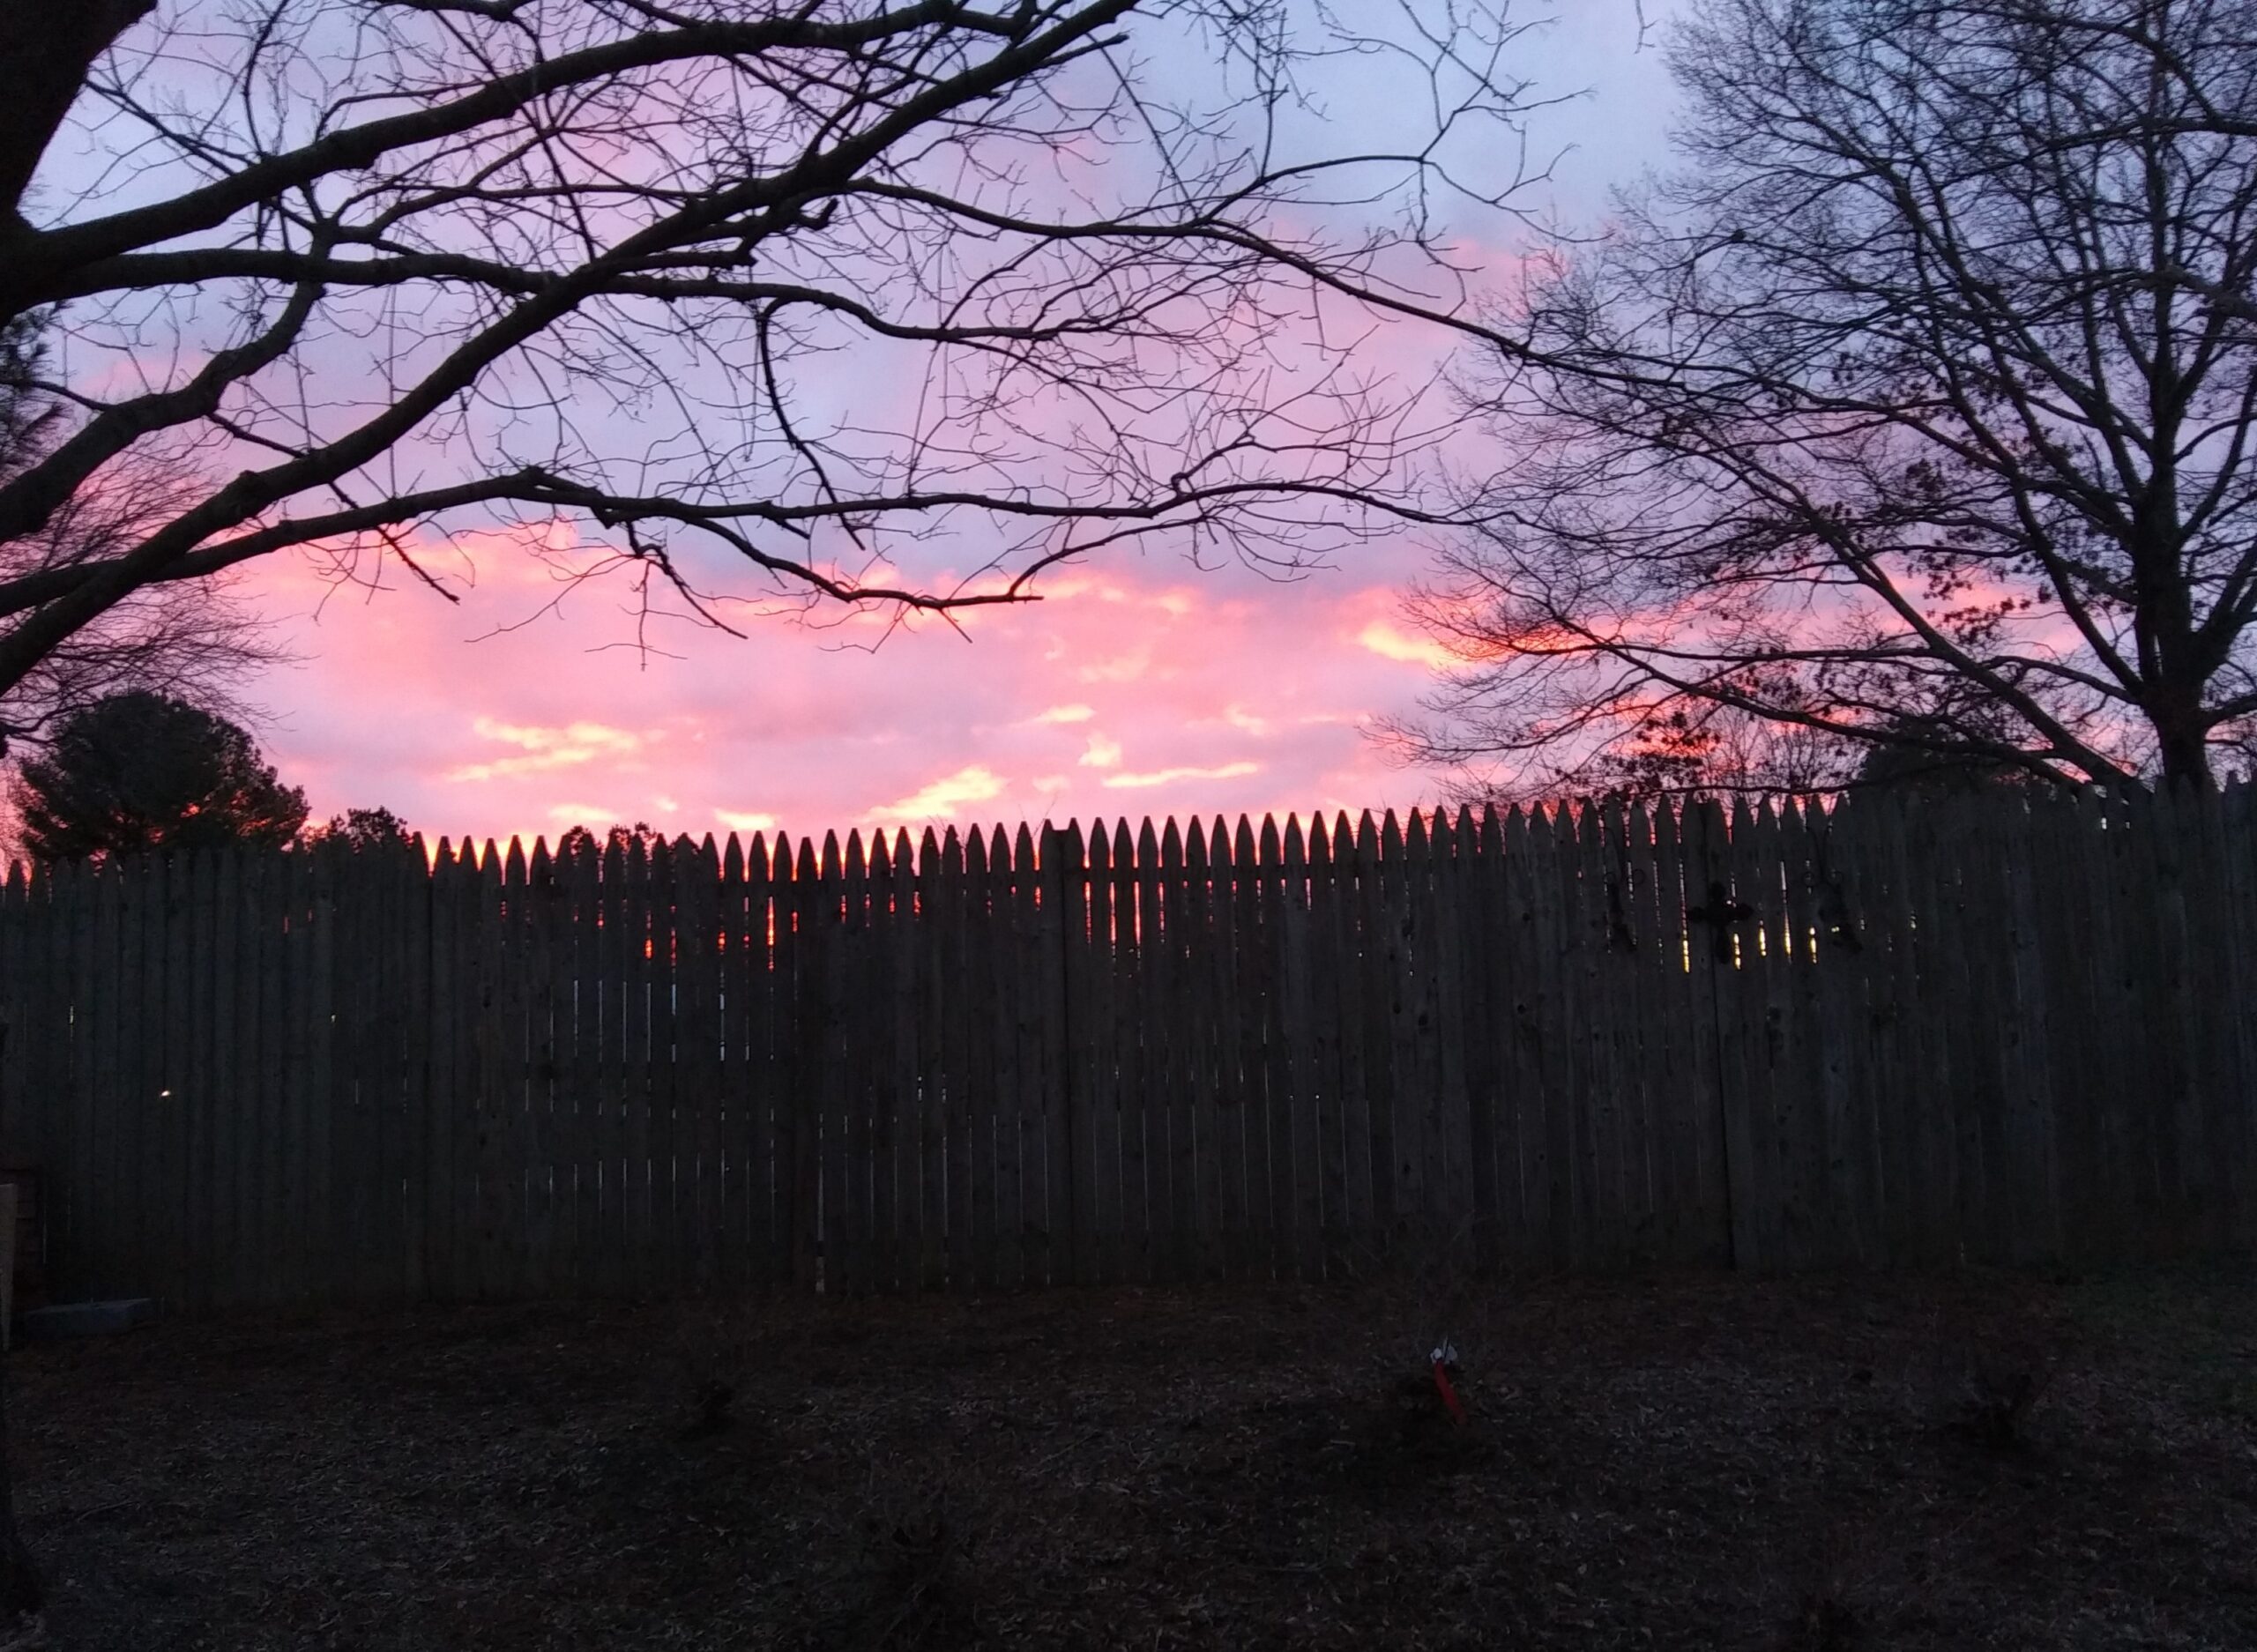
193, 641
432, 278
140, 772
361, 829
1911, 411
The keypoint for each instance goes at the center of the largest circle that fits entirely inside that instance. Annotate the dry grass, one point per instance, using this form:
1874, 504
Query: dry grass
1810, 1466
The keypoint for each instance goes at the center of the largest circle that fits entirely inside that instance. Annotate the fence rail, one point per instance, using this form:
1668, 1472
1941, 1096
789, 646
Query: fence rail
1896, 1031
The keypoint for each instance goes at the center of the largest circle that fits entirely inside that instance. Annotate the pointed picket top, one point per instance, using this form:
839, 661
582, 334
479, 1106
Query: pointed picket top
1540, 833
19, 882
1415, 847
1242, 851
445, 855
1743, 818
1665, 828
1023, 855
732, 858
975, 852
1640, 827
881, 857
928, 854
1195, 846
1492, 844
1295, 849
828, 868
1148, 844
1272, 849
543, 870
855, 866
1171, 844
952, 853
490, 860
515, 865
1468, 836
1124, 848
1320, 844
1100, 852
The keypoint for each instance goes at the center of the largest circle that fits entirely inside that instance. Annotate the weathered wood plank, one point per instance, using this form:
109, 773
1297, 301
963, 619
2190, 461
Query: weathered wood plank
1132, 1086
1238, 1094
897, 1122
977, 1073
1100, 1119
1329, 963
1300, 1051
1033, 1004
811, 948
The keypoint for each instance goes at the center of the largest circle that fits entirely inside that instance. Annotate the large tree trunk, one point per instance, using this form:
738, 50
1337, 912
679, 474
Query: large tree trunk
2182, 737
45, 51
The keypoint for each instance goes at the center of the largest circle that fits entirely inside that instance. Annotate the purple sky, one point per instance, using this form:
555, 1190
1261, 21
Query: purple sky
1140, 685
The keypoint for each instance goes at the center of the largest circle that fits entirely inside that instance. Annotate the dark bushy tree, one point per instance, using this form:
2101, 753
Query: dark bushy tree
364, 829
136, 772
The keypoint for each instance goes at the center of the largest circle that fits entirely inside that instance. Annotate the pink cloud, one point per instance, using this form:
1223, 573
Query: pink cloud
1247, 694
1176, 776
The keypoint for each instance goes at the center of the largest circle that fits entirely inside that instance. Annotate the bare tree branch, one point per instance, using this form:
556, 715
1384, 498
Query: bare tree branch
397, 272
1914, 411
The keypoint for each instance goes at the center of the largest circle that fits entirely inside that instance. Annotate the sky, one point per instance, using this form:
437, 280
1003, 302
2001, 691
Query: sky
1140, 685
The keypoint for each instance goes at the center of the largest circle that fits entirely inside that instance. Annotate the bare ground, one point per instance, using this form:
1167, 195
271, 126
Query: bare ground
1981, 1460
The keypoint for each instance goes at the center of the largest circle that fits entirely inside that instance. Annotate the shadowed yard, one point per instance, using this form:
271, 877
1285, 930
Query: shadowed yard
1674, 1461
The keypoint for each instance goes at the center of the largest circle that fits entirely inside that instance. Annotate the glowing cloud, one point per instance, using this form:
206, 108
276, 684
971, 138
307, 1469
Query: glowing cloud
594, 817
560, 748
737, 821
941, 800
1169, 777
1391, 641
1067, 714
1102, 753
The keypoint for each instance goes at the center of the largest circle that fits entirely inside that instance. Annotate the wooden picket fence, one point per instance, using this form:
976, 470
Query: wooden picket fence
1897, 1031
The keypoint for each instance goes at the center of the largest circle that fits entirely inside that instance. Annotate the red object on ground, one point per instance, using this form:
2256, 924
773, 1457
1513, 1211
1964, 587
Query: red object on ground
1449, 1394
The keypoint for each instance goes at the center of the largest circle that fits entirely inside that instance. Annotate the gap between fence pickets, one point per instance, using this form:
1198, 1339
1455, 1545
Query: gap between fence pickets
1529, 1046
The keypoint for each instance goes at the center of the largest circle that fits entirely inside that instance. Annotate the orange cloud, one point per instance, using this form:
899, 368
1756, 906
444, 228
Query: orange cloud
1392, 642
546, 747
943, 798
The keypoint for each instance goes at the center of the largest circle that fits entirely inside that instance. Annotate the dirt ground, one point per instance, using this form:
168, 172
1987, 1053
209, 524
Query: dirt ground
1712, 1461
